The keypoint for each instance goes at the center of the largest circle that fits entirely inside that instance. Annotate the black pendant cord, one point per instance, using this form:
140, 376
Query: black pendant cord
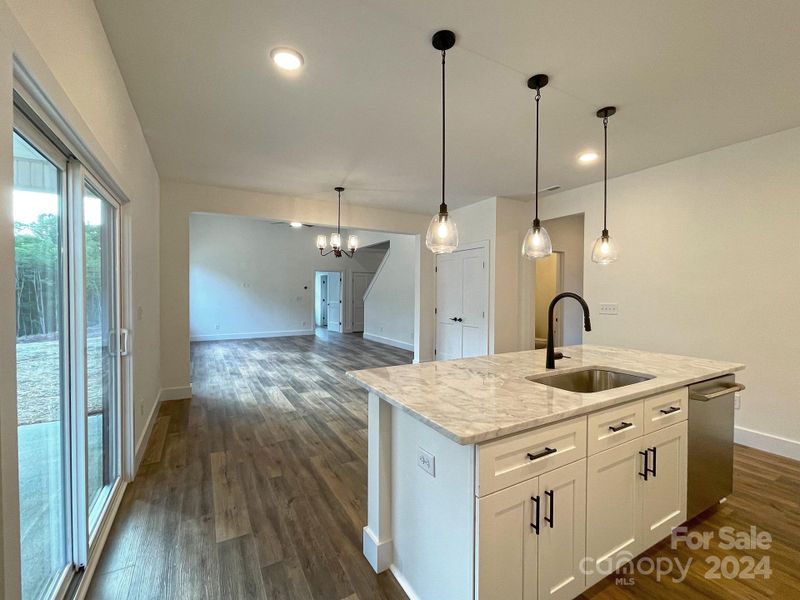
339, 215
536, 178
605, 175
443, 206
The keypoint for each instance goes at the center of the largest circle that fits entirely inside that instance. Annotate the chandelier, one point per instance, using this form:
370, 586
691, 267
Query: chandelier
336, 238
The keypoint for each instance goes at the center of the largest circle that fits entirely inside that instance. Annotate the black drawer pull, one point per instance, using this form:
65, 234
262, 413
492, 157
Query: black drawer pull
546, 452
646, 455
552, 495
670, 410
535, 508
620, 427
655, 460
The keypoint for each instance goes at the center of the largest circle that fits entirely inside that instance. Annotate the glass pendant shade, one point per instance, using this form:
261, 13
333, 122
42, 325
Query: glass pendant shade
537, 243
442, 236
322, 241
336, 240
352, 242
605, 250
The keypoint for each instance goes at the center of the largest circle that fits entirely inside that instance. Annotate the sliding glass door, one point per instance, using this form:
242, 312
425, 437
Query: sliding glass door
102, 346
42, 373
68, 359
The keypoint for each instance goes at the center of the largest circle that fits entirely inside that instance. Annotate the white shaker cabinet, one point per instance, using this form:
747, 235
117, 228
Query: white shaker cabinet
664, 493
531, 537
636, 495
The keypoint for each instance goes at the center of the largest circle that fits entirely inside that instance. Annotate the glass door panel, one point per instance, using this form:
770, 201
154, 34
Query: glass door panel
102, 347
38, 201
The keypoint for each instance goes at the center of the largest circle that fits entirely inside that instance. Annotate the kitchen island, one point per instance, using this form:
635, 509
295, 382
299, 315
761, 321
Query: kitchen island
485, 484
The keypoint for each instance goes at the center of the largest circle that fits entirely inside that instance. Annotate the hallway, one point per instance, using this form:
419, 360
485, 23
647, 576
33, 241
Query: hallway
256, 488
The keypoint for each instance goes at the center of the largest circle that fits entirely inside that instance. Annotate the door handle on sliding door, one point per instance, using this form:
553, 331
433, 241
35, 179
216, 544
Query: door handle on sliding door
124, 336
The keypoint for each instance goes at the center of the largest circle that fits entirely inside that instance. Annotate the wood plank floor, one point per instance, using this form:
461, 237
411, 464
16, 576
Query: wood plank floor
256, 488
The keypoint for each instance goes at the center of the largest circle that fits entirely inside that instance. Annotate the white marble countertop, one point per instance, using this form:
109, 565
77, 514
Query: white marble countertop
473, 400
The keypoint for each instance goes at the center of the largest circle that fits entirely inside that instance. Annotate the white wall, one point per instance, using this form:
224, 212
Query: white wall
389, 303
253, 278
501, 223
62, 45
709, 266
180, 200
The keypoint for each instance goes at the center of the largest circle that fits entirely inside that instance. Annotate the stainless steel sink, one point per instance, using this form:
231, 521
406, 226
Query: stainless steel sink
588, 381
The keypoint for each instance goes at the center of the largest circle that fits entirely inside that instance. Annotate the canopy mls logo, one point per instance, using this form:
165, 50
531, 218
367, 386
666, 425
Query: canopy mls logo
725, 565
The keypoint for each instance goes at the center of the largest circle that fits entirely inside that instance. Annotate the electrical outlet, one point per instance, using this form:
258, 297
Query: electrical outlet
216, 326
426, 461
609, 308
737, 400
305, 323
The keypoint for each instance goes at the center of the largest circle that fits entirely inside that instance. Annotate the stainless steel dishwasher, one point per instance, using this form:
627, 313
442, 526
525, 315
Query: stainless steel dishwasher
710, 442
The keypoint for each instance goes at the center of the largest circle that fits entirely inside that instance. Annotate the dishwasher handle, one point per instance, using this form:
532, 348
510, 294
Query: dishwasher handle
736, 387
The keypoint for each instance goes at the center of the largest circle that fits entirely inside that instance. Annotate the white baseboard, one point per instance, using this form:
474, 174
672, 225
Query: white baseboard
379, 554
218, 337
165, 394
388, 341
412, 595
767, 442
141, 443
175, 393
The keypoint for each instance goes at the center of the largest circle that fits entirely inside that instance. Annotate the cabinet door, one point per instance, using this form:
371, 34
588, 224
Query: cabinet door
562, 539
613, 507
664, 493
506, 545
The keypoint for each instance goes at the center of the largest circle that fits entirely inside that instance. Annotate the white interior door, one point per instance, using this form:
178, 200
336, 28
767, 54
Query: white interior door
462, 304
335, 302
449, 297
360, 285
475, 303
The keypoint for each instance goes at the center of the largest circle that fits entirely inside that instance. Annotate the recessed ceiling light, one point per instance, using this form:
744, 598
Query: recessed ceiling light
295, 224
588, 157
287, 59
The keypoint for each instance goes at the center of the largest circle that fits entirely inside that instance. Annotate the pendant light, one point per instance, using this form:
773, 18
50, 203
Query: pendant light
336, 238
442, 235
537, 242
605, 250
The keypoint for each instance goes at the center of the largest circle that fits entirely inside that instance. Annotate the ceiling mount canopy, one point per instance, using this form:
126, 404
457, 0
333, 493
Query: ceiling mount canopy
336, 238
442, 235
537, 242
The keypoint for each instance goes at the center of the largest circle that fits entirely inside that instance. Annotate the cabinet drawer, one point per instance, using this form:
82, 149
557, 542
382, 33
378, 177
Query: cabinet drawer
615, 426
510, 460
665, 409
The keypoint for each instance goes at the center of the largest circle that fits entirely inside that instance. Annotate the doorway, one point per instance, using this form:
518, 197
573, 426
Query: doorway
564, 276
328, 306
549, 283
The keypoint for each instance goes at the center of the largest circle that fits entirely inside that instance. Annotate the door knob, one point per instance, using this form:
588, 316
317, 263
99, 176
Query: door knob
454, 318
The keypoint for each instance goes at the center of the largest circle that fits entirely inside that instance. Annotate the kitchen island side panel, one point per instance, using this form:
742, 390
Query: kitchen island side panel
432, 516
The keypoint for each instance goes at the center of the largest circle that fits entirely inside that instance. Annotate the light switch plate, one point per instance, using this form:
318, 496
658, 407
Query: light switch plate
609, 308
426, 461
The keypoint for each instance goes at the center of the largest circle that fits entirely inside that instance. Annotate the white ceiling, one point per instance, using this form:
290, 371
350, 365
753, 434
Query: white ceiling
687, 75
